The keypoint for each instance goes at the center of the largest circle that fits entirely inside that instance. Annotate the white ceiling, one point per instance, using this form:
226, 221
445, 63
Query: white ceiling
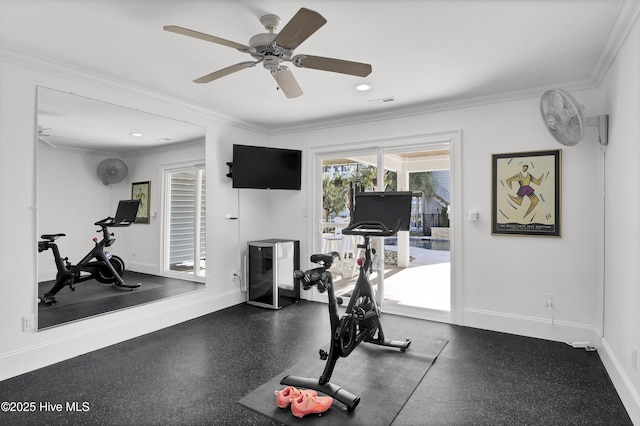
425, 54
76, 122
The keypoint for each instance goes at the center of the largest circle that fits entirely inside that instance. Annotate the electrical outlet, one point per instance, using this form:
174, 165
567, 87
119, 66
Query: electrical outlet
28, 323
549, 300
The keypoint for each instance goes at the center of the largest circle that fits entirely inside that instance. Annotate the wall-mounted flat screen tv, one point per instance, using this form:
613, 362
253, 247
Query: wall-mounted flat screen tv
262, 167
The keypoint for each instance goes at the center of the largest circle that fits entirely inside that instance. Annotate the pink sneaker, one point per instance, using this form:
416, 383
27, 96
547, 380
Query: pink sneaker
286, 395
310, 404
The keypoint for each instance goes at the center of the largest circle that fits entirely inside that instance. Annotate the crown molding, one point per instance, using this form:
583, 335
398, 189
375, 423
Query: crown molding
433, 107
625, 20
82, 76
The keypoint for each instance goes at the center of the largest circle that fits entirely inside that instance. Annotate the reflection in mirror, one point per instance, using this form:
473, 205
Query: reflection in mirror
97, 253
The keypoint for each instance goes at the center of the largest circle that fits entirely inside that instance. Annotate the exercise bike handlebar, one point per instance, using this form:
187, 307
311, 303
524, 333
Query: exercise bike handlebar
371, 229
317, 276
109, 221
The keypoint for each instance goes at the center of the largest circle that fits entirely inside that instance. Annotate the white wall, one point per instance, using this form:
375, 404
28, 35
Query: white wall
620, 94
71, 198
504, 277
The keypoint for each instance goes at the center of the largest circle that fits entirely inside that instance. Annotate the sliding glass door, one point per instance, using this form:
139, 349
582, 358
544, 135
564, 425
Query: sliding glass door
412, 270
417, 263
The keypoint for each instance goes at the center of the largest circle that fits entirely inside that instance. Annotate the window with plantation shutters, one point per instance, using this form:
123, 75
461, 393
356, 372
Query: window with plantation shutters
186, 189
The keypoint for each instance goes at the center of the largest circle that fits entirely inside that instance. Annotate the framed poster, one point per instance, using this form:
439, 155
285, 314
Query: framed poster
142, 191
526, 193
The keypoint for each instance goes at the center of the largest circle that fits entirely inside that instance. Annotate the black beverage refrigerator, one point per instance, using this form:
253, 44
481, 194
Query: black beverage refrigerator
270, 266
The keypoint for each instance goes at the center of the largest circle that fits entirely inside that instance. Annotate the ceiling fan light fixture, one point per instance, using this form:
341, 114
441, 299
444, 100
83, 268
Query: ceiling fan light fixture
363, 87
271, 62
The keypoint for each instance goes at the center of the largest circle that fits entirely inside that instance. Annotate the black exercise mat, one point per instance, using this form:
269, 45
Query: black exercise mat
90, 290
384, 379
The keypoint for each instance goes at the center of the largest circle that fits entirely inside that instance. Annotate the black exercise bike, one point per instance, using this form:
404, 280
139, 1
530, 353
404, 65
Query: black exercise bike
361, 319
106, 268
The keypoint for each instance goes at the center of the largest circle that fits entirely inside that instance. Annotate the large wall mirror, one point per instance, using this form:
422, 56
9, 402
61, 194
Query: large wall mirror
90, 156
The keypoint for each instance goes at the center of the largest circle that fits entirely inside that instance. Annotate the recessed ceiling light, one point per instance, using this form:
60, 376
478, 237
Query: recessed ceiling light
363, 87
136, 134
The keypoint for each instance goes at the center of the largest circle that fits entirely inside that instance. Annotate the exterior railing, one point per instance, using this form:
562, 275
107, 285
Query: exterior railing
421, 224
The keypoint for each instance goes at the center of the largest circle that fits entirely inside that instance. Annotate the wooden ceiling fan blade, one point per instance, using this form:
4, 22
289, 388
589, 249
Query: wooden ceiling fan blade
304, 23
334, 65
287, 82
224, 71
191, 33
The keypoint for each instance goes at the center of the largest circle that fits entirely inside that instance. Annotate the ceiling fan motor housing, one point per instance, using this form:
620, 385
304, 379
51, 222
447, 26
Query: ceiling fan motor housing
262, 42
263, 48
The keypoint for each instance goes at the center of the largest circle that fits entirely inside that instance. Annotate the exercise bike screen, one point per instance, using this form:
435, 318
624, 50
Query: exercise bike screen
127, 210
385, 207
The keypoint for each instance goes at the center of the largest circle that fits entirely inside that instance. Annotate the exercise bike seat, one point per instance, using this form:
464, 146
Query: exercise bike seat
51, 237
325, 259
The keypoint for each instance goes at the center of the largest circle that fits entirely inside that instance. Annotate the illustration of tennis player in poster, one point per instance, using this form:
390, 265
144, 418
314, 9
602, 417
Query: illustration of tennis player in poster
526, 193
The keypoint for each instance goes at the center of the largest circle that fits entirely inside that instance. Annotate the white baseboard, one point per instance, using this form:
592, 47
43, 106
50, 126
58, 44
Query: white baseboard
628, 394
120, 326
46, 274
421, 313
143, 268
540, 328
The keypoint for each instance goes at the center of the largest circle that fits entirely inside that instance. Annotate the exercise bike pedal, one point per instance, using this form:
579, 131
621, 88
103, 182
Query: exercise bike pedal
323, 355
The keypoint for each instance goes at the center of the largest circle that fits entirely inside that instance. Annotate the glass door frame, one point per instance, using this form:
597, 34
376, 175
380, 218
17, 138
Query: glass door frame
166, 170
452, 140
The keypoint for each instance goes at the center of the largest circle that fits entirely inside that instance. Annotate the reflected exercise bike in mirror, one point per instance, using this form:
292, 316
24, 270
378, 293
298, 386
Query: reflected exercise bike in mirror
73, 135
376, 214
99, 263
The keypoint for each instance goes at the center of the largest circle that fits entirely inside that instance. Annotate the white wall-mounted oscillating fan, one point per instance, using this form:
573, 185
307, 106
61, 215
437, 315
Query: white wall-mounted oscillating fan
112, 170
564, 119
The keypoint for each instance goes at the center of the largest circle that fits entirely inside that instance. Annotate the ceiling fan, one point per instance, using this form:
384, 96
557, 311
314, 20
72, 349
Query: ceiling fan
272, 49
